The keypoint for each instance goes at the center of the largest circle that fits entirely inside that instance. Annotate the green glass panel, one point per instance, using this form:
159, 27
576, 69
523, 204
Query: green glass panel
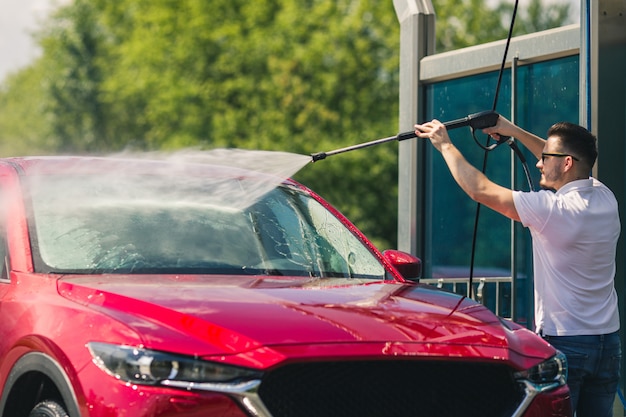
547, 92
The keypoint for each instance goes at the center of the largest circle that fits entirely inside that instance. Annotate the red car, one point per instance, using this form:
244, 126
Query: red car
158, 288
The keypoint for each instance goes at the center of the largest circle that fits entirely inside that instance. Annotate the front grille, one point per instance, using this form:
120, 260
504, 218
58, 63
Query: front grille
390, 389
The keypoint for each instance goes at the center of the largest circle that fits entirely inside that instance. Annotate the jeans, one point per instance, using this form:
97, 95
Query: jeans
593, 371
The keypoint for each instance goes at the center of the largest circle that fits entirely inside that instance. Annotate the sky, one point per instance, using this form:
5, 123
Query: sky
19, 18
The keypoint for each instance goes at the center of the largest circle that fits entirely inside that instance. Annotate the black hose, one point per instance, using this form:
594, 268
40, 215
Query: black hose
484, 167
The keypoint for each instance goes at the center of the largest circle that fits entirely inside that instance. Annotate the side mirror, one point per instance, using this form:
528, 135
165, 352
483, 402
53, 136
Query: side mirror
409, 266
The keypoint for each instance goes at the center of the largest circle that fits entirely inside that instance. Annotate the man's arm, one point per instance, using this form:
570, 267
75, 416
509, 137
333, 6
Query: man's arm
475, 184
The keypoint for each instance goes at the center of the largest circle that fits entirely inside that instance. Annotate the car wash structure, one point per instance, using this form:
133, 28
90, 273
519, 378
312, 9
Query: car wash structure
572, 73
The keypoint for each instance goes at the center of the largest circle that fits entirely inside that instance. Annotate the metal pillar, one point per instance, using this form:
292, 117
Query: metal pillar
417, 39
603, 110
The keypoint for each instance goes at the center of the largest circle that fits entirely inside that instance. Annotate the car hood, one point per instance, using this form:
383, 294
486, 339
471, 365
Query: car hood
265, 319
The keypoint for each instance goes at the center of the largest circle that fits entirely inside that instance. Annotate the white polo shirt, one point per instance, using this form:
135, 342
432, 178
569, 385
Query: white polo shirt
574, 232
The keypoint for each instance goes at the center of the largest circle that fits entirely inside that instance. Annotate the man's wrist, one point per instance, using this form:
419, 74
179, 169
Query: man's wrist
446, 146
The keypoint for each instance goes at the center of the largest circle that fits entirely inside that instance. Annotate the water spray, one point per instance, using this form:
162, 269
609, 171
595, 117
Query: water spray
475, 121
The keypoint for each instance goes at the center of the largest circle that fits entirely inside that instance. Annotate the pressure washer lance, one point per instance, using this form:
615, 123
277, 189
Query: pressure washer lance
479, 120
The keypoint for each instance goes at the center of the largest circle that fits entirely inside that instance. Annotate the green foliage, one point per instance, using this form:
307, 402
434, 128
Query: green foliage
535, 16
24, 123
462, 23
73, 77
297, 76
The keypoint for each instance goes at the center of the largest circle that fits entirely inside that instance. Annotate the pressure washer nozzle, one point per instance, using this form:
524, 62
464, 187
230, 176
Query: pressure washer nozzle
318, 156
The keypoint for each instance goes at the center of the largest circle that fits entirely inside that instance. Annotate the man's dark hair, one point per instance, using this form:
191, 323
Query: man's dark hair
576, 140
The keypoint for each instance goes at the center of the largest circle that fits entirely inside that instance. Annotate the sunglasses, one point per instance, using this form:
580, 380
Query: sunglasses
556, 155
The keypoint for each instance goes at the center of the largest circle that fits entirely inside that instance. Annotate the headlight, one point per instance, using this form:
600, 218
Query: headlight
551, 372
149, 367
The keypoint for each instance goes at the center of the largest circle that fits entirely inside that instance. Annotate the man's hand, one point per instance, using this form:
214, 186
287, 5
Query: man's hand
503, 127
435, 131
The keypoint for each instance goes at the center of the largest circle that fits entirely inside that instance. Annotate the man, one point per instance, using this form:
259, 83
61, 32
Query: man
574, 225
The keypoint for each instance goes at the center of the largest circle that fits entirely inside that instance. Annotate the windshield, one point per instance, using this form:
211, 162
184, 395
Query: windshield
125, 226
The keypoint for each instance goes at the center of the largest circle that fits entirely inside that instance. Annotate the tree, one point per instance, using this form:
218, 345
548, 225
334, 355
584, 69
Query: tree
242, 74
24, 127
73, 77
462, 23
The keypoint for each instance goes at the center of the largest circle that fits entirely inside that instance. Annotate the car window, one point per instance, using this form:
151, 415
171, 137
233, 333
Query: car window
128, 226
300, 231
132, 238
